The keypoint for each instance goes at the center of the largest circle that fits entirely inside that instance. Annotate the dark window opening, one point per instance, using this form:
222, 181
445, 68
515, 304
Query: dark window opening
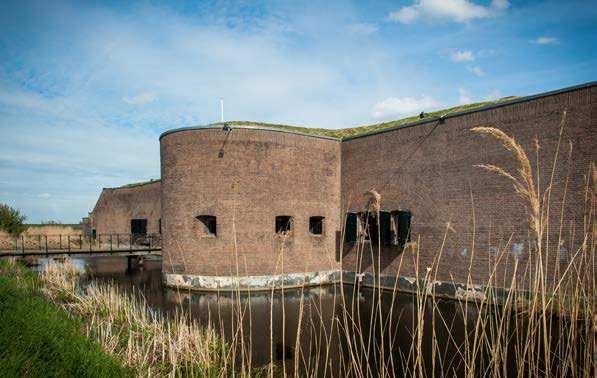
402, 221
350, 230
284, 224
209, 224
94, 233
160, 226
316, 225
139, 226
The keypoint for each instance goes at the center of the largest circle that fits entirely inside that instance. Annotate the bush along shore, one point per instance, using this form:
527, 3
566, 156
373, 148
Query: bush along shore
40, 339
52, 326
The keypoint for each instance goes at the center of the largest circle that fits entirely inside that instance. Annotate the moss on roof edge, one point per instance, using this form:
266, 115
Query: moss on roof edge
136, 184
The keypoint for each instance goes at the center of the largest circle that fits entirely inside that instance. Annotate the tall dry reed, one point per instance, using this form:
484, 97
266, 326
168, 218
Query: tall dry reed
126, 327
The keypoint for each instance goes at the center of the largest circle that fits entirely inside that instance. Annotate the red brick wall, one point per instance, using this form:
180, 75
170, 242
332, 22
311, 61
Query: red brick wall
117, 206
438, 183
262, 174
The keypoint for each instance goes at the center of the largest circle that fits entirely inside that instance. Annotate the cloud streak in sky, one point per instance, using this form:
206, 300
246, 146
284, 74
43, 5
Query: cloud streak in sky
462, 56
545, 41
450, 10
395, 107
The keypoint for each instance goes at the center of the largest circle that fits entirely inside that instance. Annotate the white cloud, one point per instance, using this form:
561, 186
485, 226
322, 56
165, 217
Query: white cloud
362, 28
545, 41
405, 15
462, 56
476, 70
452, 10
493, 95
44, 195
464, 96
394, 106
500, 4
140, 99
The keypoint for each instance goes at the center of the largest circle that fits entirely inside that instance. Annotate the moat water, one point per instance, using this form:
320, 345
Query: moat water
326, 320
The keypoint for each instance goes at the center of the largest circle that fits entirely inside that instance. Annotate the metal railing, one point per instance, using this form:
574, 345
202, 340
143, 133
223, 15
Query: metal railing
101, 243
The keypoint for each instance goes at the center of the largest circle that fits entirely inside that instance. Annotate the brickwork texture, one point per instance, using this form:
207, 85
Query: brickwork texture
469, 218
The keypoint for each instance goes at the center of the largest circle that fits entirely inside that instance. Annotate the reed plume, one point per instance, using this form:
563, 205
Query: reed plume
374, 203
523, 182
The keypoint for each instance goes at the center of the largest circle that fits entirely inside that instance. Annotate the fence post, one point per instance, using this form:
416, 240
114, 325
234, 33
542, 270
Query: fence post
110, 242
60, 242
39, 241
16, 244
117, 240
68, 243
80, 242
23, 243
46, 243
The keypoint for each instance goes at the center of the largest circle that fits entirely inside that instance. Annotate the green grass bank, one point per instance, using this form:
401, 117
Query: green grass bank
40, 339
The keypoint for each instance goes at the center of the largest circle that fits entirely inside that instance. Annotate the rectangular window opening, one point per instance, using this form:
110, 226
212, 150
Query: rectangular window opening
402, 222
316, 225
139, 226
284, 224
208, 224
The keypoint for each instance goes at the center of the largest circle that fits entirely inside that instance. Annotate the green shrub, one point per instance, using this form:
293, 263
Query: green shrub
11, 220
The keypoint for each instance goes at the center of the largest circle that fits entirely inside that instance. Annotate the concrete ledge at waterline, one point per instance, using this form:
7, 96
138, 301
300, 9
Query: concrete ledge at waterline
408, 285
250, 283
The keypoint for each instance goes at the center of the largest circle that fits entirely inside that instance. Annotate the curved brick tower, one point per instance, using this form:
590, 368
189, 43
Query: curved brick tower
226, 199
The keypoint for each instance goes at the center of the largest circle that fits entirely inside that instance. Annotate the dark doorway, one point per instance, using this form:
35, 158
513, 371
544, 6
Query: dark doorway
402, 220
350, 231
139, 227
374, 231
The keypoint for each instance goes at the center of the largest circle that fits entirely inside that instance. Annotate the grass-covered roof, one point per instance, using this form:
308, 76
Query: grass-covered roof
366, 129
135, 184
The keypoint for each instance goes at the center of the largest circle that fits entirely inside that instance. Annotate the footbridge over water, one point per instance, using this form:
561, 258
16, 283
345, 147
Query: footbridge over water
100, 245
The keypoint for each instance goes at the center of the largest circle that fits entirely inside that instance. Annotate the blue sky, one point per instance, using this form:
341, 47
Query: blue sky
87, 87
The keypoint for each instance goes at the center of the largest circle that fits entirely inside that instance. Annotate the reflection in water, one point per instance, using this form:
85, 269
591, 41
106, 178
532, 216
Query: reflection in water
320, 331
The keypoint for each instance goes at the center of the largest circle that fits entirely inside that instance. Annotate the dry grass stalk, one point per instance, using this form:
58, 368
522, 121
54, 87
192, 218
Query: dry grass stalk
523, 182
128, 329
374, 202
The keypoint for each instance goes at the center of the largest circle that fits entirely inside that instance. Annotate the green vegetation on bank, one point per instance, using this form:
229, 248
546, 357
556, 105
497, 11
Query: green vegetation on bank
362, 130
39, 339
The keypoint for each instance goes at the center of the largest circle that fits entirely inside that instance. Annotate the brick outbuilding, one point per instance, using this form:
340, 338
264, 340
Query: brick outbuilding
129, 209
